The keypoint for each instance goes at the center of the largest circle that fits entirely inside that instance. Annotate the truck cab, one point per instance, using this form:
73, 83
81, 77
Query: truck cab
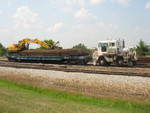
110, 47
112, 51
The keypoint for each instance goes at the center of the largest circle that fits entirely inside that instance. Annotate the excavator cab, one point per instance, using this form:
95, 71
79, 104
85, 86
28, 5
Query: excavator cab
25, 46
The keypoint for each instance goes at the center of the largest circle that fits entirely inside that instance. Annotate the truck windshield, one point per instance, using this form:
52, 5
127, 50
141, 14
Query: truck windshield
103, 46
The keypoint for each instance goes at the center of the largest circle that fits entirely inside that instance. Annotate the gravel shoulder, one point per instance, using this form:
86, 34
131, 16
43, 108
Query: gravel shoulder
99, 85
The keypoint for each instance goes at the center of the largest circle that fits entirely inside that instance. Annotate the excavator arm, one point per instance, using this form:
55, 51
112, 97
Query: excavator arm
21, 45
36, 41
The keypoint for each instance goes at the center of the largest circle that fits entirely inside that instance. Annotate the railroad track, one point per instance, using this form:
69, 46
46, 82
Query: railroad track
124, 71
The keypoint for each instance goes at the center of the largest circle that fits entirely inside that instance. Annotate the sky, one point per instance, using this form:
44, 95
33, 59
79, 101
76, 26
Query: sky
75, 21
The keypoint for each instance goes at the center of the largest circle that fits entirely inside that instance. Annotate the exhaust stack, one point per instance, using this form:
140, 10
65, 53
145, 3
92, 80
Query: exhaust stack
123, 44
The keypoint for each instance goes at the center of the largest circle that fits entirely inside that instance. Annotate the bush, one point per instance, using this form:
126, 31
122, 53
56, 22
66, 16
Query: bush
79, 46
142, 49
2, 50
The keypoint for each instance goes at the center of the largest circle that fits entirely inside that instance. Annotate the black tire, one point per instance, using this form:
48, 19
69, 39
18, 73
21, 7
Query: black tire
130, 63
134, 63
120, 62
102, 61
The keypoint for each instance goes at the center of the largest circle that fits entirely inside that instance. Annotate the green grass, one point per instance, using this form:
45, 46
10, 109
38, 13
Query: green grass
19, 98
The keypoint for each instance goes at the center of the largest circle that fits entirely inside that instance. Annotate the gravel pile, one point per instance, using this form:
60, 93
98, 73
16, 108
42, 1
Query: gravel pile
95, 84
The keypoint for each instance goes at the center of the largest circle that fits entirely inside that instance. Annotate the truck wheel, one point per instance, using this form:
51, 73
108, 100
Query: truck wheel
130, 64
102, 62
120, 62
134, 63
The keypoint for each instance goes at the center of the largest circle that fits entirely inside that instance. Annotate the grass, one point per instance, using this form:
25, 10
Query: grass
19, 98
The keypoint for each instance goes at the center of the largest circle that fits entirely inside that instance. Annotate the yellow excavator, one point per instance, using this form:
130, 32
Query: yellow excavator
24, 44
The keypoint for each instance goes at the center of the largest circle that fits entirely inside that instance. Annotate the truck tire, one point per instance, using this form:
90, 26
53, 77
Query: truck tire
102, 61
134, 63
120, 62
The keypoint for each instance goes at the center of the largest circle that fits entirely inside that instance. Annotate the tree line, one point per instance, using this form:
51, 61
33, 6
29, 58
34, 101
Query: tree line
2, 50
142, 49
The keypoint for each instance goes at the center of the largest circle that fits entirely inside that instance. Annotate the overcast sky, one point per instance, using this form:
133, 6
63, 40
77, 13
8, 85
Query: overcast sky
75, 21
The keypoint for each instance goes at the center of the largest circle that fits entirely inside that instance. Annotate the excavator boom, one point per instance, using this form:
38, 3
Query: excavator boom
21, 45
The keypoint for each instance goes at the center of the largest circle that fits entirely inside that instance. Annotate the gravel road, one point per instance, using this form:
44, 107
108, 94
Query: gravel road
90, 84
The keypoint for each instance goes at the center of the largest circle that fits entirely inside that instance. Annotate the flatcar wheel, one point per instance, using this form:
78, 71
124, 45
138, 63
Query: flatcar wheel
11, 60
68, 62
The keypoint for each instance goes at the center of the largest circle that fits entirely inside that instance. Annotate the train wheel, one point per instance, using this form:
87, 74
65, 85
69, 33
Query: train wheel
134, 63
130, 64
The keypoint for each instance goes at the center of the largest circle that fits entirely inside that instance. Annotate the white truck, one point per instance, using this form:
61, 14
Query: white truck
114, 51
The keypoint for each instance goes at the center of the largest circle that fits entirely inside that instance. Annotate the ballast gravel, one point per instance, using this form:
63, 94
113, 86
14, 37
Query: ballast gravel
91, 84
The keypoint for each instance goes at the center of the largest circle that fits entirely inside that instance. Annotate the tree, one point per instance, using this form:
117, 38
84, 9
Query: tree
2, 50
49, 43
142, 49
79, 46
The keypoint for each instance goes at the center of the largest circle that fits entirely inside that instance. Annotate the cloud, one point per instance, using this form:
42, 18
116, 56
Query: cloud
94, 2
122, 2
147, 5
24, 18
56, 27
83, 14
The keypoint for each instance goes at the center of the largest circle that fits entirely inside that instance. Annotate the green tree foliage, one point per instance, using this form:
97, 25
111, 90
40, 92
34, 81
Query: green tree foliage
142, 49
82, 46
2, 50
49, 43
79, 46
